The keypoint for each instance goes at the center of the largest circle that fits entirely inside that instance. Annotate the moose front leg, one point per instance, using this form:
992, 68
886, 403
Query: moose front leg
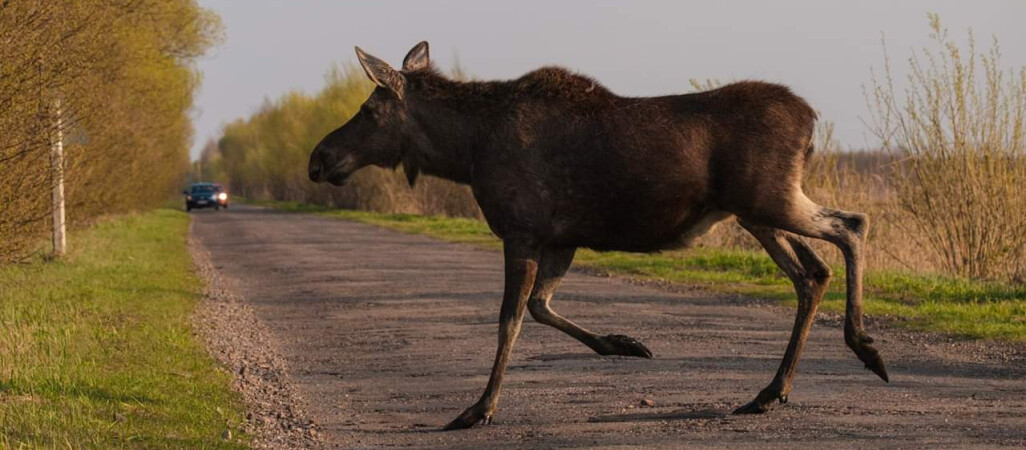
553, 265
521, 261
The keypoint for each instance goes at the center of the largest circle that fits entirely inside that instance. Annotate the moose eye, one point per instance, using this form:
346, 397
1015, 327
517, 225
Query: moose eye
373, 112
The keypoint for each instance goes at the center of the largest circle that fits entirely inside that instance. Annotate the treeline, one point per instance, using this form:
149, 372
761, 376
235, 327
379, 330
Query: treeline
116, 77
266, 155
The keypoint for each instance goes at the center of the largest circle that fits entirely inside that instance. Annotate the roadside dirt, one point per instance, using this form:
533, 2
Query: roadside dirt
385, 337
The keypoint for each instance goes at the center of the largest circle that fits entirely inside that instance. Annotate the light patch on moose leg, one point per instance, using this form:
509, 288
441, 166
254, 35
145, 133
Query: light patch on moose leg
846, 230
853, 228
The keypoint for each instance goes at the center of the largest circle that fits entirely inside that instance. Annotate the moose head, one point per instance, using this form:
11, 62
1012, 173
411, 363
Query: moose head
383, 133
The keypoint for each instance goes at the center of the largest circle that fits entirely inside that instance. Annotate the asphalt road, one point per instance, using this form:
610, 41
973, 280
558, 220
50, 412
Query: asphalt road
388, 336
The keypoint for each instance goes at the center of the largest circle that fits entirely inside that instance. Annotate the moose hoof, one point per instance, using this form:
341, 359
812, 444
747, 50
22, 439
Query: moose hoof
618, 344
470, 417
752, 407
763, 402
870, 356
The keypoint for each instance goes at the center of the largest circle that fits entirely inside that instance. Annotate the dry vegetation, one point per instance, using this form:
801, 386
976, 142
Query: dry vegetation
944, 194
122, 71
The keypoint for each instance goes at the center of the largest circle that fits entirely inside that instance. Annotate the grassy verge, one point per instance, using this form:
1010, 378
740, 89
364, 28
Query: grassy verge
97, 350
925, 302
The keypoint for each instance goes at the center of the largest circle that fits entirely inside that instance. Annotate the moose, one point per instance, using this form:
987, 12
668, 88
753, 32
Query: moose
558, 162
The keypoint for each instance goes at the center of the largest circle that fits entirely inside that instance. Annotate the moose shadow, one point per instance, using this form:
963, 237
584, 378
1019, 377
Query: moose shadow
701, 414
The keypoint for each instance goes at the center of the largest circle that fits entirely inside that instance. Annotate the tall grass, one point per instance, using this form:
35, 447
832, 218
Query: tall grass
97, 351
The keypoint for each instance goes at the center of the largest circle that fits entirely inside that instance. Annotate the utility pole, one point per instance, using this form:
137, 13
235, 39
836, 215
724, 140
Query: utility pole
57, 189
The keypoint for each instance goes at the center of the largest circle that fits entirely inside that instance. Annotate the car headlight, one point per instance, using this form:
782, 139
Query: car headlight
222, 196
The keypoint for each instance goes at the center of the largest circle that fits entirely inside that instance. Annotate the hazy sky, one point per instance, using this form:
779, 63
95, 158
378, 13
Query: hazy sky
822, 49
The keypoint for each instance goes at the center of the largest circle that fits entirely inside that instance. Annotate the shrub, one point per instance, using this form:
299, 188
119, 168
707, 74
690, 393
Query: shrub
960, 128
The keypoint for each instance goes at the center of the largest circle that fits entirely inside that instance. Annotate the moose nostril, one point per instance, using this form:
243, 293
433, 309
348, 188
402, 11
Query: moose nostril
315, 171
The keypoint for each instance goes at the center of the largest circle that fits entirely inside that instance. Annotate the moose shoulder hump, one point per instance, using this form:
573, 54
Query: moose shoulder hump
557, 82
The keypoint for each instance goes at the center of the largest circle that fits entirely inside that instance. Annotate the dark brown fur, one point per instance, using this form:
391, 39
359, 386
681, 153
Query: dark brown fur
558, 162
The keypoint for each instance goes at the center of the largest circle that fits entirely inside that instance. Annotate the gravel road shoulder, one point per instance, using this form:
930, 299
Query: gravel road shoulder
242, 343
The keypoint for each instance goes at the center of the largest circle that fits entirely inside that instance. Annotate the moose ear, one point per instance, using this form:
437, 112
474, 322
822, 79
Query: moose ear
381, 73
417, 58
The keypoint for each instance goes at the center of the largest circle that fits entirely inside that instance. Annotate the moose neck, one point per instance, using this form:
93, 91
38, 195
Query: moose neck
455, 118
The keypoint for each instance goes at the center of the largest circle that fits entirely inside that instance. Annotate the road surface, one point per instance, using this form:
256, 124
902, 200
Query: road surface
389, 336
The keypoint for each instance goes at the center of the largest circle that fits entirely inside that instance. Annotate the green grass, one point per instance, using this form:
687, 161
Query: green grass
97, 350
960, 307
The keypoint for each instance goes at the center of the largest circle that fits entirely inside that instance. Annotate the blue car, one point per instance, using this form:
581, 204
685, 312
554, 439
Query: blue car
205, 195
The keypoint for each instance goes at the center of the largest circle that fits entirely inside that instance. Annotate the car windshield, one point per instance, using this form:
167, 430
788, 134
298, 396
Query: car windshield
199, 189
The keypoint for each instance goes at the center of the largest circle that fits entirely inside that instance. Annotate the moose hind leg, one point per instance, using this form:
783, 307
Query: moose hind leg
810, 276
552, 267
846, 230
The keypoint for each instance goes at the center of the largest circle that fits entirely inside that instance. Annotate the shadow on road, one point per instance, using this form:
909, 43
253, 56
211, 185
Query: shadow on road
702, 414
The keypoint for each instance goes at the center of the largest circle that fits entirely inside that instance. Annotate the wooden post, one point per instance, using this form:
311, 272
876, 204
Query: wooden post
57, 190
